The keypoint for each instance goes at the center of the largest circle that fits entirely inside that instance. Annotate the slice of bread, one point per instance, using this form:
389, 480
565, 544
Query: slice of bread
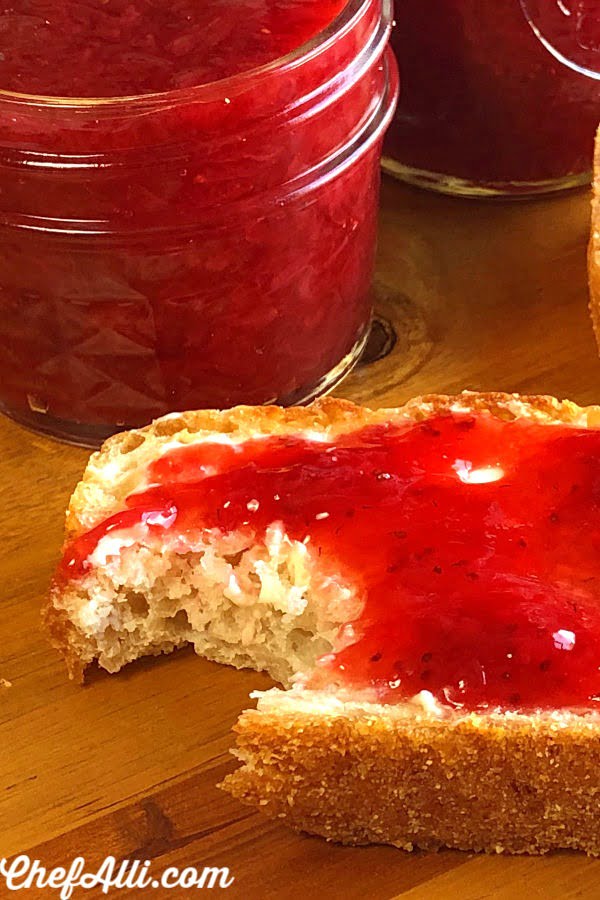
594, 247
332, 762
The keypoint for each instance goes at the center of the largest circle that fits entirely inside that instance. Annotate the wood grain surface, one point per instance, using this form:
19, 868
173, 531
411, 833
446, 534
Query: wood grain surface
469, 295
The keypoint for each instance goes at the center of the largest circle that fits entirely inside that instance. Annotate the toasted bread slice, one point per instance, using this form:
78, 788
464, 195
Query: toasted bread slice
332, 761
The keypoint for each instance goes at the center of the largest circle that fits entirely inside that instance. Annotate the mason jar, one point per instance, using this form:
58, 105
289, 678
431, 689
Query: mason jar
497, 97
202, 247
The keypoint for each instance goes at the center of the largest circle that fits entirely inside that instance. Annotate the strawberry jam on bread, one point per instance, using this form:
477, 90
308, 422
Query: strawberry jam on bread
428, 578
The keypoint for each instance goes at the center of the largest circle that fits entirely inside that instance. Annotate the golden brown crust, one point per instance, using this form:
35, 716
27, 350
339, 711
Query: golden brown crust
494, 783
594, 247
66, 639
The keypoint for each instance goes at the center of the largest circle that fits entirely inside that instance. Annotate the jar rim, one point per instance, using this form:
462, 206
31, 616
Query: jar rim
209, 89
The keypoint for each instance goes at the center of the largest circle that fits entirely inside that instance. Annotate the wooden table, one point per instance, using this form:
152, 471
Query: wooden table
479, 295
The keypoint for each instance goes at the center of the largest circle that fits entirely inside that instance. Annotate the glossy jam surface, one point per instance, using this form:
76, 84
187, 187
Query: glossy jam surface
117, 48
474, 542
204, 250
483, 100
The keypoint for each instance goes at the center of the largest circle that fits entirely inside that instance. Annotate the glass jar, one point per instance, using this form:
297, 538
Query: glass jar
486, 107
204, 247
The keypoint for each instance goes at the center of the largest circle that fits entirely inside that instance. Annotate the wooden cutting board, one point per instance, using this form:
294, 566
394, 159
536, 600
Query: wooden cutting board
482, 295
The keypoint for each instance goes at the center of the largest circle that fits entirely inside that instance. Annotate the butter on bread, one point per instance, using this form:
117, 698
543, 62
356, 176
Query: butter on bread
410, 774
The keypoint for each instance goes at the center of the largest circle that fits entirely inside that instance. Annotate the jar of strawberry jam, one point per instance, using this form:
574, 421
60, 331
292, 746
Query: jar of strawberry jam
497, 97
188, 198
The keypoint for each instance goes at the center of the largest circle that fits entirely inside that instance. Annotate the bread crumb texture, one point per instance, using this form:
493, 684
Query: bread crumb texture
261, 605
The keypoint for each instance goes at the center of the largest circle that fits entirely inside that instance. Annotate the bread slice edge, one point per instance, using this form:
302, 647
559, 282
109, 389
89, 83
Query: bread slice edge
414, 776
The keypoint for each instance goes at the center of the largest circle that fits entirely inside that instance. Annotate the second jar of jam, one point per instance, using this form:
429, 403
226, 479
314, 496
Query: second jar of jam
188, 200
486, 108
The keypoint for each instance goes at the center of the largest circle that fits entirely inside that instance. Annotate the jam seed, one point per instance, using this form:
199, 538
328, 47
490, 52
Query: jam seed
426, 551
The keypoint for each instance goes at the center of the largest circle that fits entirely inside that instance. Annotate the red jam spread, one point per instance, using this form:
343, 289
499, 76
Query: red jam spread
118, 48
474, 542
484, 101
203, 247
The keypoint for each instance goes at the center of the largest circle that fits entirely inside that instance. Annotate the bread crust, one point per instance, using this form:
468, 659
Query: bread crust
594, 246
362, 773
64, 637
